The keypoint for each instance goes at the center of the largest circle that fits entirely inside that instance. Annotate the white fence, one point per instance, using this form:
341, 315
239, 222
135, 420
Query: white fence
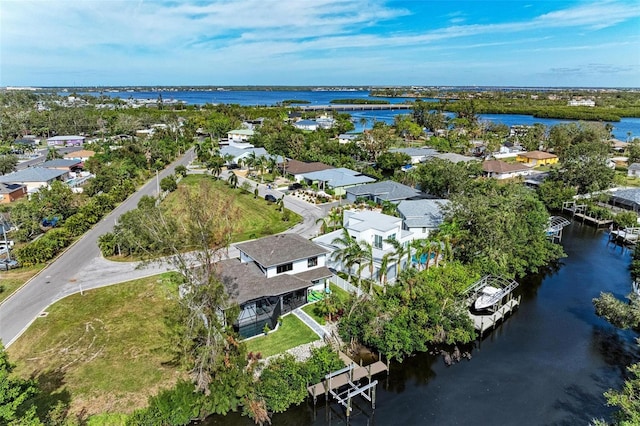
345, 285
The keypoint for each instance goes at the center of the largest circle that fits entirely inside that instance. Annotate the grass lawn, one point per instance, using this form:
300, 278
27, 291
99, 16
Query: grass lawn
11, 280
105, 351
310, 310
290, 334
258, 218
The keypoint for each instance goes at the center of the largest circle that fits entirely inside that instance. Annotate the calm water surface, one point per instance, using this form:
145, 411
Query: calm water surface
548, 364
621, 130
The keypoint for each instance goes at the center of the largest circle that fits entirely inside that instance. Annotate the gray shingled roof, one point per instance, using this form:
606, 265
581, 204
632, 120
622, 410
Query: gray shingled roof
245, 281
415, 152
339, 177
422, 213
280, 249
629, 195
59, 162
387, 190
634, 166
32, 174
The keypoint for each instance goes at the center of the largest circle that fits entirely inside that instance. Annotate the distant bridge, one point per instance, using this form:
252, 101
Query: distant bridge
356, 107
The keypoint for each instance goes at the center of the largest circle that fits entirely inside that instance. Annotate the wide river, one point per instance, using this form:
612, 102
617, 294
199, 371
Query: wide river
547, 364
621, 131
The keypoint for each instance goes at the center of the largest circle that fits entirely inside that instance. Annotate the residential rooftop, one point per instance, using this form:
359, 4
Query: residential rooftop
279, 249
387, 190
422, 213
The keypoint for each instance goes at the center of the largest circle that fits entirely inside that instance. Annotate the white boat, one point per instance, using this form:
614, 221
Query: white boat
487, 297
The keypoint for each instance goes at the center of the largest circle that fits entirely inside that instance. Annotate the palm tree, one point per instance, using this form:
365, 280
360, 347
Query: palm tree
272, 165
400, 250
363, 122
335, 218
280, 203
348, 249
261, 163
251, 160
387, 258
366, 259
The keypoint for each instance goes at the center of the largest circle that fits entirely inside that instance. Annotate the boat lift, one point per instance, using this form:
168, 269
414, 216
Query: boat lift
554, 229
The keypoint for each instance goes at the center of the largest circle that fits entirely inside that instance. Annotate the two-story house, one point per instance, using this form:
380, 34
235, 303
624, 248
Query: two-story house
272, 276
373, 228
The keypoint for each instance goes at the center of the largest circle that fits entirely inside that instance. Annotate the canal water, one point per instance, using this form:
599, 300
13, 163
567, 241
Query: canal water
547, 364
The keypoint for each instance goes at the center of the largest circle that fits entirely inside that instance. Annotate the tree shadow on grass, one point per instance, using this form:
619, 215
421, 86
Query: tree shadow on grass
53, 399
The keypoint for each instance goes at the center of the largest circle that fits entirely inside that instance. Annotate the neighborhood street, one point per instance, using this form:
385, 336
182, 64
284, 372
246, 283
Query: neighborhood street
81, 267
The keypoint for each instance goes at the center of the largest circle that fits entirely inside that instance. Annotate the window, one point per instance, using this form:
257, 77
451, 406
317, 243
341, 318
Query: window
377, 242
284, 268
392, 236
312, 261
424, 230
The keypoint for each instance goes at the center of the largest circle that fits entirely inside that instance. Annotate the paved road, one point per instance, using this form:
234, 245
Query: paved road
82, 267
82, 264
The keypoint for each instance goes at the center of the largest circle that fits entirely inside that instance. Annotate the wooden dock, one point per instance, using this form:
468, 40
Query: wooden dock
625, 236
348, 377
483, 323
579, 212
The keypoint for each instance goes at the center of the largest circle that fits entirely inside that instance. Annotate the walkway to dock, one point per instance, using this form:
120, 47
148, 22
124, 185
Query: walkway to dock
310, 322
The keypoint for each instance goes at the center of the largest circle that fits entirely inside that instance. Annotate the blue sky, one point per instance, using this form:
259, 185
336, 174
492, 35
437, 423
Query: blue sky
320, 42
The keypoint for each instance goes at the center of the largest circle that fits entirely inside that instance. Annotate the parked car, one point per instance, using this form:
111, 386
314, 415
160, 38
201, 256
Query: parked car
295, 186
6, 264
270, 198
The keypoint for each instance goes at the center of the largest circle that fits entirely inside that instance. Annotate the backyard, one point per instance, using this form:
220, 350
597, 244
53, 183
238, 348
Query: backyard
291, 333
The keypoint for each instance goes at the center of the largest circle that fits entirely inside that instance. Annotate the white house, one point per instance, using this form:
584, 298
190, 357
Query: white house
344, 138
634, 170
501, 170
240, 135
307, 125
373, 228
273, 276
66, 140
418, 155
35, 177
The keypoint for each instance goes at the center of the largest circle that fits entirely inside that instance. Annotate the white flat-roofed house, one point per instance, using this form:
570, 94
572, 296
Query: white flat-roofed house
240, 135
373, 228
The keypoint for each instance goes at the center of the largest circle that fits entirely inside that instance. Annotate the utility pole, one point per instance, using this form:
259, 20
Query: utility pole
158, 184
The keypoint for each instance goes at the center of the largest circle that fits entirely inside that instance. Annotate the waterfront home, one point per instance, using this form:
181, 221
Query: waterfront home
272, 276
296, 169
10, 192
373, 228
239, 155
34, 178
337, 180
502, 170
66, 141
537, 158
422, 217
378, 192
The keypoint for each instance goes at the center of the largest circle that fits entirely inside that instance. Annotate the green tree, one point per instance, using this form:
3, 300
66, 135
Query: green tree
553, 193
168, 183
441, 178
8, 164
15, 394
502, 229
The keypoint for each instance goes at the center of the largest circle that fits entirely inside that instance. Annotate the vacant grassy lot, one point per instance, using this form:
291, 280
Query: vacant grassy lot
290, 334
11, 280
105, 351
258, 218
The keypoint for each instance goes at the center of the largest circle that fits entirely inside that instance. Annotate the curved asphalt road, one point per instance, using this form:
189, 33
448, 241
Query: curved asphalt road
82, 267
